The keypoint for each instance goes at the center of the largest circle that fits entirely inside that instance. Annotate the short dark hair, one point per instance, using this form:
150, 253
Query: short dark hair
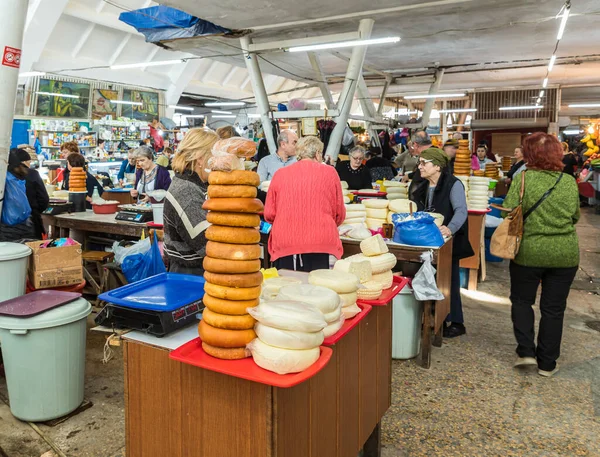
76, 160
16, 157
101, 141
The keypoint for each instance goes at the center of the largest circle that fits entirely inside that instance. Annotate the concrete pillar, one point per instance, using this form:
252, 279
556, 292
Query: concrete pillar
434, 89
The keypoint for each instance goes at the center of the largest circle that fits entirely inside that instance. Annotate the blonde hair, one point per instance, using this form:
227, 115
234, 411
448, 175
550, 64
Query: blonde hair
196, 145
308, 147
225, 132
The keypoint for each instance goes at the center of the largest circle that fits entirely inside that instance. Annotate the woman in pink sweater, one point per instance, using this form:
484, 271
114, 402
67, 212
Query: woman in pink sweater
305, 205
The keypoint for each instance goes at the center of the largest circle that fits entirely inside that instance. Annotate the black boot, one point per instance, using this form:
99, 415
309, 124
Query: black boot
454, 329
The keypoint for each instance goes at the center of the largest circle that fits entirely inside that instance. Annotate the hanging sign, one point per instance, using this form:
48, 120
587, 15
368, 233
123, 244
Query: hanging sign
11, 57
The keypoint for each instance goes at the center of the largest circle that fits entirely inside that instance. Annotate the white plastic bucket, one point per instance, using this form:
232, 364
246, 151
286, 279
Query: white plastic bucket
13, 270
157, 212
407, 316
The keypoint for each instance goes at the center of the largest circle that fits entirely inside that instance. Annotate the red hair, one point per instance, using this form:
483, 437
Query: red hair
542, 151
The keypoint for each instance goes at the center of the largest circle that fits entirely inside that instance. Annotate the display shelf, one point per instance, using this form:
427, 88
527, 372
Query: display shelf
349, 324
388, 294
192, 354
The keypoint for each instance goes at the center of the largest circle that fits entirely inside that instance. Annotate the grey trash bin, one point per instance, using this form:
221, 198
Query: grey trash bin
407, 317
13, 269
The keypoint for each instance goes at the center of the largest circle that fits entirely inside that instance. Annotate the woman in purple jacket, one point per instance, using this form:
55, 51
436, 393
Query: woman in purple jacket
149, 176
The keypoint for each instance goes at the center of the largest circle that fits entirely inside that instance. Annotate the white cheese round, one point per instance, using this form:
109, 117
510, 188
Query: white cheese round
287, 339
338, 281
282, 361
324, 299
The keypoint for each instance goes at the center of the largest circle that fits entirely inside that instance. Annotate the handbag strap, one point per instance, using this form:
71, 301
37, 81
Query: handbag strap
522, 187
541, 200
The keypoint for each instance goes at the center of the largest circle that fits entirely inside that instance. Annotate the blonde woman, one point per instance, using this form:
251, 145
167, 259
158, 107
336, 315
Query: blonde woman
305, 206
184, 219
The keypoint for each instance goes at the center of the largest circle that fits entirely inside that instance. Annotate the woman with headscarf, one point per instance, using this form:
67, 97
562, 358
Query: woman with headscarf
353, 171
184, 219
306, 206
440, 192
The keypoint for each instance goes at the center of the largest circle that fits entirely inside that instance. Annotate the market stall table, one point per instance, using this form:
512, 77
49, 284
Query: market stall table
181, 410
476, 262
435, 312
90, 222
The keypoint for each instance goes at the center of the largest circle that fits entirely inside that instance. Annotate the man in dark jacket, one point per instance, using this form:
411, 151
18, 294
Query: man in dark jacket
18, 168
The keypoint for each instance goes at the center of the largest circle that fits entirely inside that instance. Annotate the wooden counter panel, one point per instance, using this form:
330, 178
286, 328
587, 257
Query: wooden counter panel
348, 372
153, 425
324, 411
291, 409
384, 358
476, 230
224, 416
368, 375
444, 283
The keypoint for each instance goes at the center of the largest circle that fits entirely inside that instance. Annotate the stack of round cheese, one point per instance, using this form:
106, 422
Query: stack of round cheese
355, 213
232, 263
289, 335
364, 272
478, 193
399, 207
462, 162
346, 286
491, 170
396, 190
506, 163
377, 211
374, 247
272, 286
77, 178
325, 300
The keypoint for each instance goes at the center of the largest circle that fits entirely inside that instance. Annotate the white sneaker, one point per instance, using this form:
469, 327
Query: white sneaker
525, 362
548, 374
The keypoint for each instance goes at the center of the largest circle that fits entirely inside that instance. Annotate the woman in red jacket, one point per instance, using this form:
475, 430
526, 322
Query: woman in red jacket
305, 205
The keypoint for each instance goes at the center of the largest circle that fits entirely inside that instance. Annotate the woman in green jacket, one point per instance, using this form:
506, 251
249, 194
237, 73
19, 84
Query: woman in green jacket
549, 252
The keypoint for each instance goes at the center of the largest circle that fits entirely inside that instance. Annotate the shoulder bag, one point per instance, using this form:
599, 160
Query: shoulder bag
506, 241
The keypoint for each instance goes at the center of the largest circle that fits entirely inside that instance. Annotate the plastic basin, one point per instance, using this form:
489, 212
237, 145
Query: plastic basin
111, 208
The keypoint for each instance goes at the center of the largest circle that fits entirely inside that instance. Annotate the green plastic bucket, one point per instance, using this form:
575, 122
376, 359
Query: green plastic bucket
44, 361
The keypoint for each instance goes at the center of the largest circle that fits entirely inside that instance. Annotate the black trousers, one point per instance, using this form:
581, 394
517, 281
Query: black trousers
556, 284
456, 309
303, 262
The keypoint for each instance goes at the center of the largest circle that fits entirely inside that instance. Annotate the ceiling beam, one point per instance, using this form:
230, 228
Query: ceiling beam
285, 44
85, 13
100, 6
245, 82
180, 81
150, 56
82, 39
43, 18
230, 75
214, 64
119, 49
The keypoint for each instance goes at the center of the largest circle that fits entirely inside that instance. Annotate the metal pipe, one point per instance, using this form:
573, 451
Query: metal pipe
316, 64
434, 89
260, 93
11, 42
347, 95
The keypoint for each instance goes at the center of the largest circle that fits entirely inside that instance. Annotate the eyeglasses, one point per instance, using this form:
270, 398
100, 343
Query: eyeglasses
357, 158
424, 162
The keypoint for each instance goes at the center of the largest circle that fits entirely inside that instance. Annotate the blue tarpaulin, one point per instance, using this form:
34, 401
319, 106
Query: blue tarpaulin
159, 23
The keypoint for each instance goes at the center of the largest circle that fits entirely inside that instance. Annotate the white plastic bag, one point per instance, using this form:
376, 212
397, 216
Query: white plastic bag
140, 247
289, 315
424, 283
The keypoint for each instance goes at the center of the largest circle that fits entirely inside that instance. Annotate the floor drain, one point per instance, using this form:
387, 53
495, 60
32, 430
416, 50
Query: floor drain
594, 325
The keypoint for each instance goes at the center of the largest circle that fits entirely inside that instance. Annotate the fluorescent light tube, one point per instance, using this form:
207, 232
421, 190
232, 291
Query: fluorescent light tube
585, 105
223, 116
542, 92
225, 104
199, 116
344, 44
514, 108
125, 102
571, 132
221, 112
538, 101
551, 64
56, 94
458, 110
145, 64
31, 73
563, 23
185, 108
253, 116
545, 83
412, 97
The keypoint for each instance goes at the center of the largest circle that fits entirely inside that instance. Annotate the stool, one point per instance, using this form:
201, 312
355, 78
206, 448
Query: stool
97, 258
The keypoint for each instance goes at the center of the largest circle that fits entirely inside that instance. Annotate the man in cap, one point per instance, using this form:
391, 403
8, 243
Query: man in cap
450, 148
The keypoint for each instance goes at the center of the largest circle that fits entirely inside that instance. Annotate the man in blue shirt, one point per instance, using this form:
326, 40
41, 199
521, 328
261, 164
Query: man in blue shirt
286, 155
127, 167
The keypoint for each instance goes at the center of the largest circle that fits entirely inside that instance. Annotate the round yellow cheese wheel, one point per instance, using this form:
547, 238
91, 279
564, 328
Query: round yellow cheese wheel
229, 322
234, 280
237, 307
237, 177
230, 266
226, 353
217, 191
232, 293
233, 219
229, 251
233, 235
223, 338
234, 205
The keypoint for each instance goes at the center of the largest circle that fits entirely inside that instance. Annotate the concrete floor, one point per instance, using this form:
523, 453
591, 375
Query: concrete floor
470, 403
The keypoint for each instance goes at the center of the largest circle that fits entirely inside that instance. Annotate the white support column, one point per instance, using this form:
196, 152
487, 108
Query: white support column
388, 81
260, 93
347, 95
11, 35
434, 89
322, 80
368, 108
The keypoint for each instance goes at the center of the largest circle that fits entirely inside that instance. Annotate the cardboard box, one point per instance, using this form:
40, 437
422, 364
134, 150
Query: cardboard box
55, 267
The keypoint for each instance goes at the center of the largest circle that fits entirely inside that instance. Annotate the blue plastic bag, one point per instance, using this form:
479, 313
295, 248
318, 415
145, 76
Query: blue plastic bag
141, 266
420, 230
15, 208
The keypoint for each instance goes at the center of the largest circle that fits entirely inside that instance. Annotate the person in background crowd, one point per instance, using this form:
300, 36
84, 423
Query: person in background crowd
38, 198
407, 161
157, 132
184, 219
457, 136
482, 158
149, 176
450, 148
518, 167
353, 171
440, 192
285, 156
548, 255
164, 160
91, 183
100, 152
306, 206
128, 167
420, 141
226, 132
379, 167
18, 168
569, 160
66, 149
